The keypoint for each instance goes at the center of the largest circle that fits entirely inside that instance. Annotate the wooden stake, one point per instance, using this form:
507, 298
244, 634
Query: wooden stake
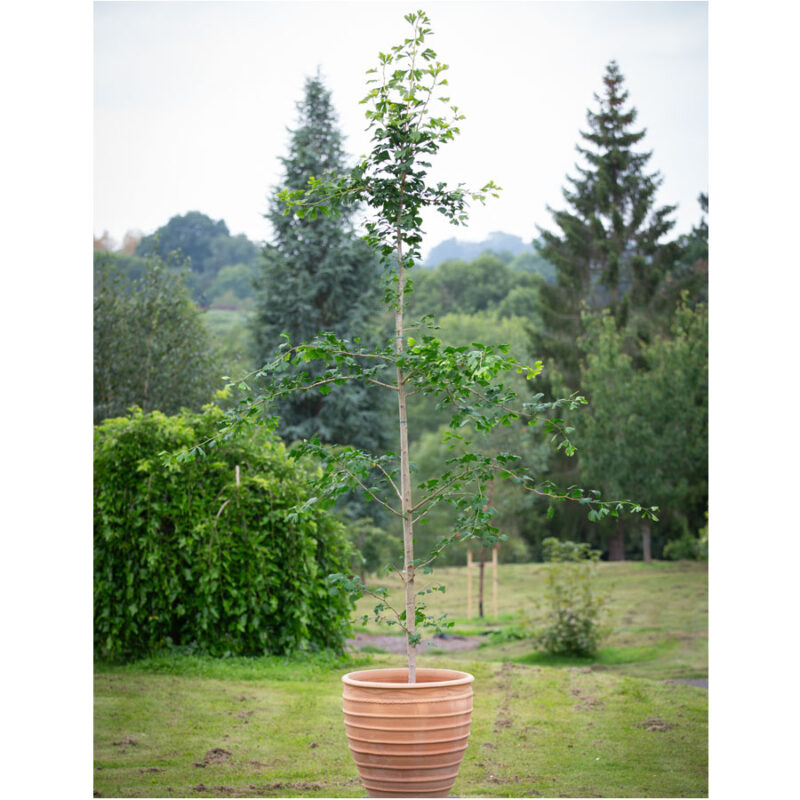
481, 570
494, 579
237, 474
469, 584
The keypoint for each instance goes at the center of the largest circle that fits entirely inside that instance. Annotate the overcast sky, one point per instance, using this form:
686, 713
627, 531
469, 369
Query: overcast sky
193, 100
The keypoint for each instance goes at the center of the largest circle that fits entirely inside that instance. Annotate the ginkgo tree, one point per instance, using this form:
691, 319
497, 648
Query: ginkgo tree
392, 182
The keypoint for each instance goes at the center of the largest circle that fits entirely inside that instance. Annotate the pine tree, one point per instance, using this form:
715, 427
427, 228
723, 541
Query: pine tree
317, 276
608, 252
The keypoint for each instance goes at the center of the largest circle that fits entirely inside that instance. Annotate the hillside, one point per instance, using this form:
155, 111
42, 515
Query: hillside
510, 249
499, 243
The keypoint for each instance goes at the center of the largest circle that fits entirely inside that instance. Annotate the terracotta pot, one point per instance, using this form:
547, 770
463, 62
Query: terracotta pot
407, 739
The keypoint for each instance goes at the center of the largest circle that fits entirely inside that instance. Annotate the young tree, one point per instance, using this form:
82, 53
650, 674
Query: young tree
609, 249
574, 606
317, 276
391, 181
151, 348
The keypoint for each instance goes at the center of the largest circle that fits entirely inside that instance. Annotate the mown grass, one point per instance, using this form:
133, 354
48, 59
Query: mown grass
181, 725
163, 731
657, 615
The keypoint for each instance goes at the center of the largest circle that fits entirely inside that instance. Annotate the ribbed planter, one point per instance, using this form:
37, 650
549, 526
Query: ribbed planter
407, 739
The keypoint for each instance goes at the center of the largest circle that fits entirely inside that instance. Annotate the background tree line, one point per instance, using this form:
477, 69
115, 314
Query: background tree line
614, 305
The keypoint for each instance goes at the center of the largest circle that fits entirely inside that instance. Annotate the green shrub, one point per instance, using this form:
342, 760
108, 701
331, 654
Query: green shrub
682, 548
185, 556
688, 546
574, 606
702, 541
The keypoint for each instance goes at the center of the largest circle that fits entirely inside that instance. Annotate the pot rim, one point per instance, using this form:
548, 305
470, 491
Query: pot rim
371, 678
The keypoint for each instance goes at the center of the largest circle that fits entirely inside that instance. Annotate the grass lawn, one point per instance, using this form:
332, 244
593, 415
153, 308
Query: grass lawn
183, 726
658, 614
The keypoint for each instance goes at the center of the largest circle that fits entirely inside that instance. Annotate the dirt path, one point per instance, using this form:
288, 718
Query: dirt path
701, 683
397, 644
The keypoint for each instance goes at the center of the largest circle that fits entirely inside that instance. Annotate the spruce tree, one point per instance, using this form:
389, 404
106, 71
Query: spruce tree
689, 274
317, 275
608, 251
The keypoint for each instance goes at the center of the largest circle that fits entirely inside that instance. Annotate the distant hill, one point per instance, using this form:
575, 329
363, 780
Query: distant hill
499, 243
510, 249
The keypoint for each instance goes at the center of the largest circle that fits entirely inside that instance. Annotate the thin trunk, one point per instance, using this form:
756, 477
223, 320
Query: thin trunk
616, 544
646, 553
405, 476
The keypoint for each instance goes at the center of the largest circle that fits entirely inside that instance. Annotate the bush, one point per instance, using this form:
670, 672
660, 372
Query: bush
575, 608
702, 541
185, 556
688, 546
683, 548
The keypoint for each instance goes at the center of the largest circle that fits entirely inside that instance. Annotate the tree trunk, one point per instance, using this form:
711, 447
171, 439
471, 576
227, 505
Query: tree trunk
616, 544
405, 476
646, 554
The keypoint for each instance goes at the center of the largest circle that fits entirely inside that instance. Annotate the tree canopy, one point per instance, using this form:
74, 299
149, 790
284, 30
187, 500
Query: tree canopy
472, 286
206, 245
645, 431
151, 348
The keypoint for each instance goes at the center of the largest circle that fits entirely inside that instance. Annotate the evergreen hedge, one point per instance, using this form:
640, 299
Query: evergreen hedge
184, 556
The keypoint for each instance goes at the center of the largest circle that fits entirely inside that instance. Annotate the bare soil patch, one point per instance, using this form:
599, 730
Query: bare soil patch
701, 683
397, 644
214, 756
259, 791
655, 724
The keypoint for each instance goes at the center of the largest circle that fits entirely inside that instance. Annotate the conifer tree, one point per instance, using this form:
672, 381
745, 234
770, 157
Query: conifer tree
689, 274
317, 276
608, 251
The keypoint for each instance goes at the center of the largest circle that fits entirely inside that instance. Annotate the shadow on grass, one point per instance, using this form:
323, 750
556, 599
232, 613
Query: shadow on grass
605, 657
299, 667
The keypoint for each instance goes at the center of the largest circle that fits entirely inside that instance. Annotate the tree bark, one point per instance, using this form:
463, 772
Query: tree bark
405, 475
616, 544
646, 553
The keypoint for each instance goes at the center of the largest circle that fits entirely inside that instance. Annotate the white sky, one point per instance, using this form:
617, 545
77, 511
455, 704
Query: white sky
192, 100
